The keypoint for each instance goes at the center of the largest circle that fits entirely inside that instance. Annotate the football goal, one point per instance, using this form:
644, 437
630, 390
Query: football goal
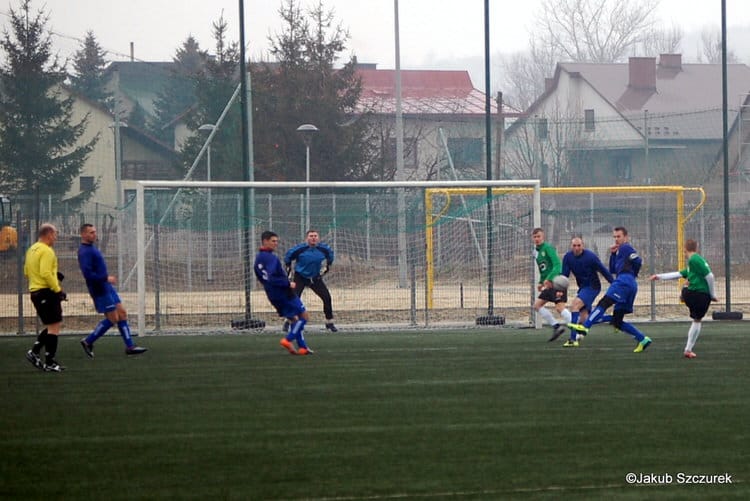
405, 253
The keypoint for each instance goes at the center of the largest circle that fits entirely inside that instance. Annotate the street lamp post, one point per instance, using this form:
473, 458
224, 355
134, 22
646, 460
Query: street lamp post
116, 126
209, 260
307, 131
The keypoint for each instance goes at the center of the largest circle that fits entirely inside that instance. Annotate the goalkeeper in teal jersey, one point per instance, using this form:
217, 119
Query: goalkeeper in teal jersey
550, 266
697, 294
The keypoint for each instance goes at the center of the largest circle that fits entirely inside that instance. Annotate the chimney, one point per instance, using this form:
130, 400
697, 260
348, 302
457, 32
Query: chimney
671, 61
132, 52
642, 71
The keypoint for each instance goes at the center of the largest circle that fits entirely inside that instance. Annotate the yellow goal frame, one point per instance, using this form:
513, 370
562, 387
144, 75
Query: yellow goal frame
431, 220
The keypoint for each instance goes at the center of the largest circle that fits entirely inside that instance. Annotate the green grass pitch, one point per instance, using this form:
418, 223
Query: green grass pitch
421, 414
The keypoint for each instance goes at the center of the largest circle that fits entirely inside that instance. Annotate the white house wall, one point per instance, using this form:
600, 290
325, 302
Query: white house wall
568, 101
100, 163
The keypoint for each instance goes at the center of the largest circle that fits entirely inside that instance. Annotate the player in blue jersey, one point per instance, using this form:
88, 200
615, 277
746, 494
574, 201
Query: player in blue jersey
280, 292
101, 288
586, 266
624, 264
312, 259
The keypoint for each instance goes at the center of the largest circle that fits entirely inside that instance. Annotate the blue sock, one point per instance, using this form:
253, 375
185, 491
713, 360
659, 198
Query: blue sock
124, 329
594, 317
297, 331
290, 335
100, 329
630, 329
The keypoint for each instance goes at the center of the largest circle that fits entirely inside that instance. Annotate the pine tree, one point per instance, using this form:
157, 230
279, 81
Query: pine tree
179, 93
214, 88
304, 87
137, 117
89, 64
39, 150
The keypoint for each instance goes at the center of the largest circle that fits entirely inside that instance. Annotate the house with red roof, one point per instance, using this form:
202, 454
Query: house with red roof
443, 116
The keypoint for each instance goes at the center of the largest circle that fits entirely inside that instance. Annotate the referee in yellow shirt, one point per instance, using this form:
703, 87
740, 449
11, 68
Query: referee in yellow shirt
46, 294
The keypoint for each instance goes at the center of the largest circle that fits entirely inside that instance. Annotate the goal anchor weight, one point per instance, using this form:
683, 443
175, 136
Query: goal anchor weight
491, 320
726, 315
243, 324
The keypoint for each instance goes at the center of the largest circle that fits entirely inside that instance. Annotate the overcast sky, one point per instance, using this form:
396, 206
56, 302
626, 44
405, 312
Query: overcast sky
435, 34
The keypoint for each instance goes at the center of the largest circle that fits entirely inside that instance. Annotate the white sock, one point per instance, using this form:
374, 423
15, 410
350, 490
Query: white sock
566, 316
547, 316
693, 333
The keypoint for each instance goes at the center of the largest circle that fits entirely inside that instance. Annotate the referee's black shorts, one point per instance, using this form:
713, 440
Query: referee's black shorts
48, 306
697, 303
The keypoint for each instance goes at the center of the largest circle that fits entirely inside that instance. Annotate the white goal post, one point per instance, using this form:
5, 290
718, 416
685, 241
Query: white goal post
194, 240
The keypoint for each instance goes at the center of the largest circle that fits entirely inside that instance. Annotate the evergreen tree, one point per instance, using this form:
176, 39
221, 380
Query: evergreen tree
214, 88
137, 117
303, 87
179, 93
38, 137
89, 64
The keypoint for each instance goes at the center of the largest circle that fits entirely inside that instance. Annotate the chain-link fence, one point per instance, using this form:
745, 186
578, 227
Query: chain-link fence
196, 262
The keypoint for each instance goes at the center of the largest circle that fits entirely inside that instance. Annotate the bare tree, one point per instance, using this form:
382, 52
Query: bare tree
600, 31
662, 41
709, 50
524, 73
548, 146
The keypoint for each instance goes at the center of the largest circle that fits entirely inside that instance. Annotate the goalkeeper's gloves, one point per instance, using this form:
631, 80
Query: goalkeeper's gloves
60, 277
62, 295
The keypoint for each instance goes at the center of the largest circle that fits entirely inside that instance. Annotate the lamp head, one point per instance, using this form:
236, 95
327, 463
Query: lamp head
307, 131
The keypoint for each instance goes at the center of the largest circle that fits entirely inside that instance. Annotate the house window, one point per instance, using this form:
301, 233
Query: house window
588, 120
622, 168
465, 151
410, 152
542, 128
86, 183
142, 169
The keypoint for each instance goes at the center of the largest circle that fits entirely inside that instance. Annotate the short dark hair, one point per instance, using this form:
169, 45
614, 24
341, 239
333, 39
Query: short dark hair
537, 230
84, 226
691, 245
622, 229
267, 235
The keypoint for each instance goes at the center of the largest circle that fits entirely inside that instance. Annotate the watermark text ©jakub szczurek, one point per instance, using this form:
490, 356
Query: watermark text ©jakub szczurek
681, 478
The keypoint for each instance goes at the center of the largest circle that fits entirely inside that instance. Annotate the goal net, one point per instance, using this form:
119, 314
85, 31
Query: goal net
405, 253
659, 219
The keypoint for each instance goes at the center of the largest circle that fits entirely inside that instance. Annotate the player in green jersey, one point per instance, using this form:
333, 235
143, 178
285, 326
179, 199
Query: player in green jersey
550, 266
697, 294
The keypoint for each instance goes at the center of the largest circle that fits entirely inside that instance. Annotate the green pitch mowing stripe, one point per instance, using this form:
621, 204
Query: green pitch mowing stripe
489, 414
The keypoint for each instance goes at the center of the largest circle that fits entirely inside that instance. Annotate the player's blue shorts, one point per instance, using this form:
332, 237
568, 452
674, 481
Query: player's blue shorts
588, 295
623, 291
288, 307
108, 300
